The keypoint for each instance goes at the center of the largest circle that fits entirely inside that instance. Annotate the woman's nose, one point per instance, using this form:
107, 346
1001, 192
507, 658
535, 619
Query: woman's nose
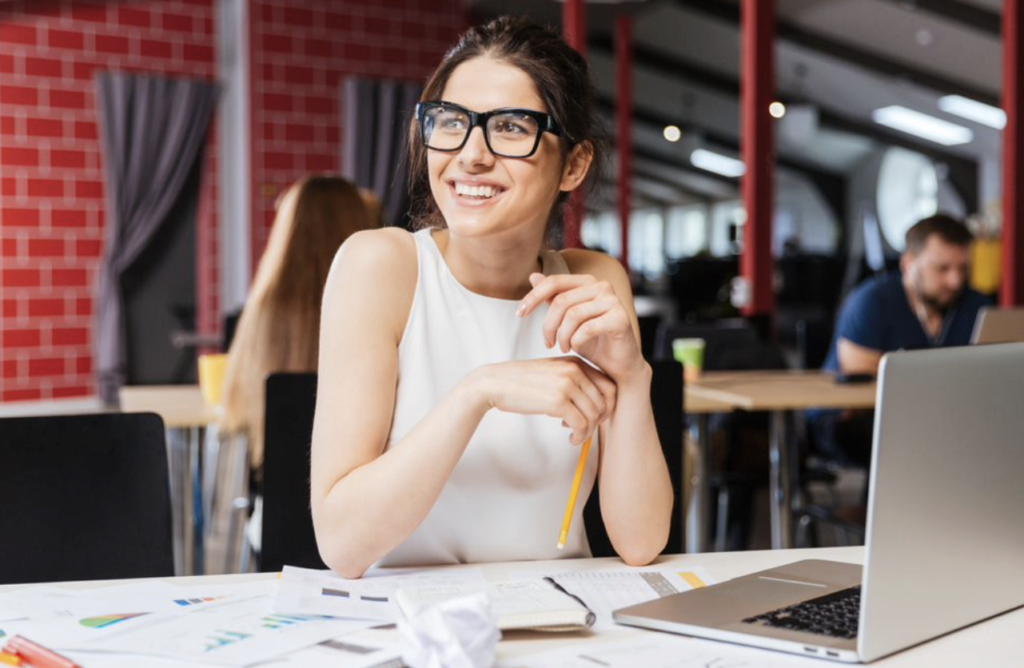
475, 151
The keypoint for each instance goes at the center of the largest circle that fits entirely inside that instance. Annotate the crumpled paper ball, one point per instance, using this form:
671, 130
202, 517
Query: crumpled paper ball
458, 633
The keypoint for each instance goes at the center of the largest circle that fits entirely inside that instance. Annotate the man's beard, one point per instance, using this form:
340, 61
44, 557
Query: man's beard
937, 304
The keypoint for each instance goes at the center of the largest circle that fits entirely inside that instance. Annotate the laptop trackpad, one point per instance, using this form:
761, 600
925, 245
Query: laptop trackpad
768, 592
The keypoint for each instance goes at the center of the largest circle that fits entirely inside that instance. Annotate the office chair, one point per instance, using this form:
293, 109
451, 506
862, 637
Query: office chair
669, 417
814, 339
649, 325
288, 536
719, 337
85, 497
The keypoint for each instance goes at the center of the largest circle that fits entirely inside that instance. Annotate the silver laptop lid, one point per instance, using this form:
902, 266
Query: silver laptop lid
999, 325
945, 534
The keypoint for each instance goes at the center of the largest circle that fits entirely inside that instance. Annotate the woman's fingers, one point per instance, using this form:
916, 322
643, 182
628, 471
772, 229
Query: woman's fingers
580, 395
546, 287
568, 388
577, 316
574, 419
596, 396
606, 386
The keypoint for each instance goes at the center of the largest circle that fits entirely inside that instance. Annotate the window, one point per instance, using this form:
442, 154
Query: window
686, 231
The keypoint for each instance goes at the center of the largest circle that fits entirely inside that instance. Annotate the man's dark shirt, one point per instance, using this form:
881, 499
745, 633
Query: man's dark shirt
878, 316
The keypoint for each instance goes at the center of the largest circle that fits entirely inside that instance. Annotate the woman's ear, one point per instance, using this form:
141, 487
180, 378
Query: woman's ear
576, 166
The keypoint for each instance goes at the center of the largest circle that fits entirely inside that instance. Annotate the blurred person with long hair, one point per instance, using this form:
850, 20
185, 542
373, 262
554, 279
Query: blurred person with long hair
280, 324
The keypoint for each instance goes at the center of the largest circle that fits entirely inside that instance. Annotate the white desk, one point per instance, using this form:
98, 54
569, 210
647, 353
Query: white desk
996, 642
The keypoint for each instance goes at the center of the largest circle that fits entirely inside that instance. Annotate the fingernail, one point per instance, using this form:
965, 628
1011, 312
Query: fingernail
521, 309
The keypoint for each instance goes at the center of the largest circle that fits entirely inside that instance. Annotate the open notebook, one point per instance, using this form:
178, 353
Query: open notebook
541, 605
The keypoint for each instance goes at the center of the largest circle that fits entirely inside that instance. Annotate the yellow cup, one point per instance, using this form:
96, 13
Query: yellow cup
211, 377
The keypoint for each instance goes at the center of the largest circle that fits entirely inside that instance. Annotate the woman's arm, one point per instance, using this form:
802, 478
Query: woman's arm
366, 500
592, 314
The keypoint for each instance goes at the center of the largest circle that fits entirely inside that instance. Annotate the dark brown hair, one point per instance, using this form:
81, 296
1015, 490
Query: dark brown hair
562, 78
949, 229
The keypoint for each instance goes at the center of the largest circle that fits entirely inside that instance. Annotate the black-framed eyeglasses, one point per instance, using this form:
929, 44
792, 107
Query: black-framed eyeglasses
510, 133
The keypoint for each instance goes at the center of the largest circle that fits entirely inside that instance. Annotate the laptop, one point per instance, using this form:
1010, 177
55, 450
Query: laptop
944, 540
999, 325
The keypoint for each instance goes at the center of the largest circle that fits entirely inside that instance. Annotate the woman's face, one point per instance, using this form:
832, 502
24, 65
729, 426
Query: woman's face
477, 192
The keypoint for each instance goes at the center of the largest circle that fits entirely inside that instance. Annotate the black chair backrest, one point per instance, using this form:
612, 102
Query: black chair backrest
813, 340
669, 416
85, 497
718, 337
230, 327
756, 356
288, 536
649, 325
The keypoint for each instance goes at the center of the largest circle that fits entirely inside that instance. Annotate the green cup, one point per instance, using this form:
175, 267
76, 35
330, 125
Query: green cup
689, 353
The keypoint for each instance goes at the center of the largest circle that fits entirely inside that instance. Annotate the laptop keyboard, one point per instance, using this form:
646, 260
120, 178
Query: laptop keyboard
833, 615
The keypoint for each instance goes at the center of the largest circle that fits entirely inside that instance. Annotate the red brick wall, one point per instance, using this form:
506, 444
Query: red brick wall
52, 207
300, 52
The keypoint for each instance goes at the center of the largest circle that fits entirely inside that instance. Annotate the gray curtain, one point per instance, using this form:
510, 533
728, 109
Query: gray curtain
375, 121
153, 133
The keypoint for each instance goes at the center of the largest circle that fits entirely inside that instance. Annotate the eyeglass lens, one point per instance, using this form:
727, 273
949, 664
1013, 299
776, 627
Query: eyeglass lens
510, 134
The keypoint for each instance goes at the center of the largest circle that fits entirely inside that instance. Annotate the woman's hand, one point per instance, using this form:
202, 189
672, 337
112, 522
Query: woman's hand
563, 387
586, 317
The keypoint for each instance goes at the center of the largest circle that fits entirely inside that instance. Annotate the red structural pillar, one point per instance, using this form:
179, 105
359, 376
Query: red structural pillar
624, 123
1012, 289
757, 79
574, 22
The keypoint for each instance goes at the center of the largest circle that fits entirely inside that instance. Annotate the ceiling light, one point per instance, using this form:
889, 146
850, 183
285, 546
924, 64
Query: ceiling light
717, 163
777, 110
672, 133
972, 110
922, 125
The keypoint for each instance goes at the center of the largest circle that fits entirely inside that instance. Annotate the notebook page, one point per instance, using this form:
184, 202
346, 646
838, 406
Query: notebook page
609, 589
525, 604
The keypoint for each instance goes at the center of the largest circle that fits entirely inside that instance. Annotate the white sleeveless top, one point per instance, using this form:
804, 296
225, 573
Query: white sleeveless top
506, 498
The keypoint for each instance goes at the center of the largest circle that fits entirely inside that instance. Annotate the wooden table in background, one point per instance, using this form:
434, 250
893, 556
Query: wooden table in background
781, 392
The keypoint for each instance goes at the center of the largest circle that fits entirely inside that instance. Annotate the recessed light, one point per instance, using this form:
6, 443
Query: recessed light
972, 110
922, 125
717, 163
672, 133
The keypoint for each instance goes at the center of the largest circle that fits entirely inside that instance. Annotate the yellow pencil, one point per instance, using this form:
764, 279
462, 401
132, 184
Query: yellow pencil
581, 466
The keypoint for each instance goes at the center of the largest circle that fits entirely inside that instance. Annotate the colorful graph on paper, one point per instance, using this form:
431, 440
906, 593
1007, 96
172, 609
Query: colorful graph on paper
102, 621
219, 639
186, 602
280, 621
234, 632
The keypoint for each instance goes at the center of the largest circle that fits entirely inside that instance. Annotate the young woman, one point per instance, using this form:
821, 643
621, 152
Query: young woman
280, 324
460, 366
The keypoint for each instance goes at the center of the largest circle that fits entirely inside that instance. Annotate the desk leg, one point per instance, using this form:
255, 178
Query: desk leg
196, 509
780, 482
698, 515
177, 469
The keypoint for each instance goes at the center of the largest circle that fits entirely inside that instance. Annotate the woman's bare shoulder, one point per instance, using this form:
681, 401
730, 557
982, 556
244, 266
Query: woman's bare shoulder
382, 248
377, 270
599, 265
